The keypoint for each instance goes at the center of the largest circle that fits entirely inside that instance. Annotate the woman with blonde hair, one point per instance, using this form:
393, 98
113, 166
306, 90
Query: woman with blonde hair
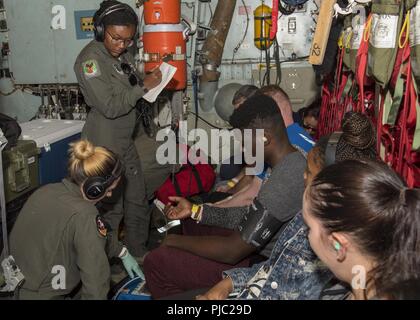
59, 238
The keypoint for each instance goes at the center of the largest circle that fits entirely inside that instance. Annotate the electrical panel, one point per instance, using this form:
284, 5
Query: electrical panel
296, 31
297, 80
294, 36
248, 64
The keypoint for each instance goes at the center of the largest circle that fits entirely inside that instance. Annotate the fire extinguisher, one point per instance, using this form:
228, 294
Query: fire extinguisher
262, 26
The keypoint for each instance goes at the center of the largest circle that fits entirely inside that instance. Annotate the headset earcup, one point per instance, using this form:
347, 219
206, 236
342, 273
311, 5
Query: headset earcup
94, 188
96, 25
99, 32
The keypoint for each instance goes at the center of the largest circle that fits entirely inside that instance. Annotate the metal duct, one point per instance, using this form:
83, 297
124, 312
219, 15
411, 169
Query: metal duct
212, 51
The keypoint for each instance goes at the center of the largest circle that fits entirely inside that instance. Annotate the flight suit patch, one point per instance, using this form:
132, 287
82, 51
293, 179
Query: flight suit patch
102, 229
91, 69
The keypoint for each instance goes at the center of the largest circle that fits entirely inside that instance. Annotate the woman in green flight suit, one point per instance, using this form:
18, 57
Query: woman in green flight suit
59, 238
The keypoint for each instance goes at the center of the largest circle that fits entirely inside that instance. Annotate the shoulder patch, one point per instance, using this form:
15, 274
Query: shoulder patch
91, 69
102, 229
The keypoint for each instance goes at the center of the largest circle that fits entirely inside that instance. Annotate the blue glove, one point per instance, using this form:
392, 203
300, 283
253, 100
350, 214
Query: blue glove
131, 266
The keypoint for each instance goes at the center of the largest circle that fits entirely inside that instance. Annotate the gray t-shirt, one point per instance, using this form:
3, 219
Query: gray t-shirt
281, 195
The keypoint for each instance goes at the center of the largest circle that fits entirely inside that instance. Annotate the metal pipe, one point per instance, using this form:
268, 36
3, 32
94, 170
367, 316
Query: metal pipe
212, 52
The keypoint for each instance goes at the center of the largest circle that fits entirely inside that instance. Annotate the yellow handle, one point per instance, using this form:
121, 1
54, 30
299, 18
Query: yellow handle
340, 40
405, 29
348, 40
366, 32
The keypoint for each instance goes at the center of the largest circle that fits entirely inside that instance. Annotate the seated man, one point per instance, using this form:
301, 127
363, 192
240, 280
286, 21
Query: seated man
229, 169
293, 271
245, 188
187, 262
292, 250
298, 137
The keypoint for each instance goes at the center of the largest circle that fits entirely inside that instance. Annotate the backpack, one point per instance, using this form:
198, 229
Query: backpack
11, 130
190, 180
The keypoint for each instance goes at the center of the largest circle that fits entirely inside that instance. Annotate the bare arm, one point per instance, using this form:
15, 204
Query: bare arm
243, 197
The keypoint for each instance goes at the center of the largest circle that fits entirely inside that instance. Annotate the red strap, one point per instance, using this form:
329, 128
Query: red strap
361, 64
274, 19
379, 124
403, 141
339, 71
388, 141
412, 170
323, 113
412, 112
333, 106
410, 163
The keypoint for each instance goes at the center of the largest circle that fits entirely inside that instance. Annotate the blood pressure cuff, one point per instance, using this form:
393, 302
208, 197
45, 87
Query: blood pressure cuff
258, 226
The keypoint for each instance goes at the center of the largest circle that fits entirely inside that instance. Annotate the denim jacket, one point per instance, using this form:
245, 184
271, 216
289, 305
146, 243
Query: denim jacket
293, 271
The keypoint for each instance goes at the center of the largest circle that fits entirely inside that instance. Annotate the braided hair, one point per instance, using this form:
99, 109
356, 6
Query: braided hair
357, 142
359, 138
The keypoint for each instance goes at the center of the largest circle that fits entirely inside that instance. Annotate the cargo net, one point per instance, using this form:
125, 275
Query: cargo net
345, 91
395, 111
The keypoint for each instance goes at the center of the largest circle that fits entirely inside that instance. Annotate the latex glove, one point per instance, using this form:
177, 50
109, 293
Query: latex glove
131, 266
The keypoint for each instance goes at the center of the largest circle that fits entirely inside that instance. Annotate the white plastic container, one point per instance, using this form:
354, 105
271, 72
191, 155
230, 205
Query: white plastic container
52, 137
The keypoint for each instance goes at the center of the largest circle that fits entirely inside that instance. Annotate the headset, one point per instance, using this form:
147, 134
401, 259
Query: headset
332, 147
98, 25
95, 188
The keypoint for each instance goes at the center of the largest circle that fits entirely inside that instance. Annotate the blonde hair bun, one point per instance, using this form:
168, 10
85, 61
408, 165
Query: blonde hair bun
83, 150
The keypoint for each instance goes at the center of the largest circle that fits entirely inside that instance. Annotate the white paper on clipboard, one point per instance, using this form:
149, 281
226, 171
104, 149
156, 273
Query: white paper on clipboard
168, 72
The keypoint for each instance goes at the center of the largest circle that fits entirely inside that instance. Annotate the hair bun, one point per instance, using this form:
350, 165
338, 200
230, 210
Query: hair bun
358, 130
83, 150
